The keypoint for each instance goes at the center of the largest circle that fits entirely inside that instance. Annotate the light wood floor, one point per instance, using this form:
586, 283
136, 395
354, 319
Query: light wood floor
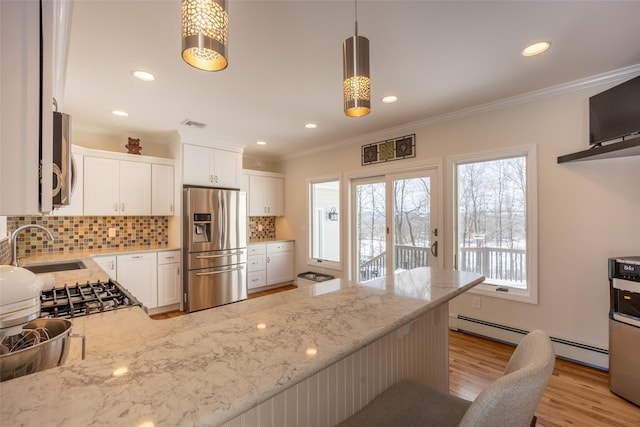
575, 396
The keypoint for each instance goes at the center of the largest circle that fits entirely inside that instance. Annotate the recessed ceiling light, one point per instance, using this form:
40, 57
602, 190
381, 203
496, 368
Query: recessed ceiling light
536, 48
261, 143
311, 125
143, 75
119, 113
390, 99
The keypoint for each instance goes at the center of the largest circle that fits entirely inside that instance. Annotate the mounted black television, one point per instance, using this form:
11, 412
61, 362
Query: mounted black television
615, 113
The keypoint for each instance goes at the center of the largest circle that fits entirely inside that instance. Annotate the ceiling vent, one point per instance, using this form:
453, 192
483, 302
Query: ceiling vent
193, 124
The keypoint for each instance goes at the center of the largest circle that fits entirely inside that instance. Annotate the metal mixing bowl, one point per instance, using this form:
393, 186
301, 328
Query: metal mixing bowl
47, 354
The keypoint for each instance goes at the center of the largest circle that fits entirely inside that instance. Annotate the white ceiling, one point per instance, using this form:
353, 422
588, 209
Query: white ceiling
285, 64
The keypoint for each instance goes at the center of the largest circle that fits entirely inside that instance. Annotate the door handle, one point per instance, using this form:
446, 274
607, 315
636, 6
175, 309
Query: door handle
218, 256
218, 272
434, 249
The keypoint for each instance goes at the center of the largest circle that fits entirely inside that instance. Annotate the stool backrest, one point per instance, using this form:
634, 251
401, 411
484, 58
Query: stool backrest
512, 399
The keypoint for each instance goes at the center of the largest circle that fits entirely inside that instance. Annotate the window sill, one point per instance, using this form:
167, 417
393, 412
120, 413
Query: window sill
331, 265
514, 294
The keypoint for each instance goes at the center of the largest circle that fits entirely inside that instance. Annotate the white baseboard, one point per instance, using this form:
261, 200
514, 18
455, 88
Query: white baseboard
581, 353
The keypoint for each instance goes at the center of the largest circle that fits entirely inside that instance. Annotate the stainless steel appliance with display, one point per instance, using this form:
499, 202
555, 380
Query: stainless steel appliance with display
214, 247
624, 328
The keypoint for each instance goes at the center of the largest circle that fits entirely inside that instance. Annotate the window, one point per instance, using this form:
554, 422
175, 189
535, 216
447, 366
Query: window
324, 220
495, 224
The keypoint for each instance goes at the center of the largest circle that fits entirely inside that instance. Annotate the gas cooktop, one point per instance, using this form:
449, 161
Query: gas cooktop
83, 299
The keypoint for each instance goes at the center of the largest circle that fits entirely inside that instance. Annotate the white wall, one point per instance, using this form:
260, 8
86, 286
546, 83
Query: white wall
587, 211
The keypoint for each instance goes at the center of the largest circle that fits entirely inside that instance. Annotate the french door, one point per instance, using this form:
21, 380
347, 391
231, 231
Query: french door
394, 223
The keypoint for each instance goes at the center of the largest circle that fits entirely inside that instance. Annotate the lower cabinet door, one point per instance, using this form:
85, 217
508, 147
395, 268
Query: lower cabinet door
139, 274
169, 284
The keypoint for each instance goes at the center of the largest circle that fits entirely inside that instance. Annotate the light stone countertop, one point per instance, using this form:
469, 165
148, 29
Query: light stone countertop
93, 272
206, 367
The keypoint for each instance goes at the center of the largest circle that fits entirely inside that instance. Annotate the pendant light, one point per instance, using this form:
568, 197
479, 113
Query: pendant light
205, 32
356, 84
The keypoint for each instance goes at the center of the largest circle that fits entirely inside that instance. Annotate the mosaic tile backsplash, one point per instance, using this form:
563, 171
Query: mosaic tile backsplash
76, 233
262, 227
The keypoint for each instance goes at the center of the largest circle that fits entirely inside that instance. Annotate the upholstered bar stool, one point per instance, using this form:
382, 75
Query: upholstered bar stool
510, 401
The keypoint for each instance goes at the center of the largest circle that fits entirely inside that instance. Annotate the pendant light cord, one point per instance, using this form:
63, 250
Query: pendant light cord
356, 8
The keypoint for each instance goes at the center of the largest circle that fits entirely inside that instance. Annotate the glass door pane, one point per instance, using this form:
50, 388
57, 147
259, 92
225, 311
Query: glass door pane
370, 228
413, 235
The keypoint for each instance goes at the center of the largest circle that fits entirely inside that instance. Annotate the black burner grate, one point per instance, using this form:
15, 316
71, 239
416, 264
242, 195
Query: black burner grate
82, 299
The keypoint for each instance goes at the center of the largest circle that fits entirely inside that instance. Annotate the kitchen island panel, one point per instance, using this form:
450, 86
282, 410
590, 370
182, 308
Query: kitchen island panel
416, 351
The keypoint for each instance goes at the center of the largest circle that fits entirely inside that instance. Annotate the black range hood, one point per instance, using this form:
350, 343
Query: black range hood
630, 147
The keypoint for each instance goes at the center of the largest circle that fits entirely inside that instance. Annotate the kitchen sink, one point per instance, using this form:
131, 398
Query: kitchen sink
52, 267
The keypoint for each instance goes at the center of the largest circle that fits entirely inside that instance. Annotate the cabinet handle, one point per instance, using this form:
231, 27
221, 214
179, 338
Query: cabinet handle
216, 177
136, 256
122, 207
115, 207
210, 178
170, 257
171, 207
268, 260
178, 271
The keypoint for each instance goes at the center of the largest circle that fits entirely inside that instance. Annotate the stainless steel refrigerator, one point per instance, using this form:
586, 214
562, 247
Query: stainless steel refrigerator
214, 247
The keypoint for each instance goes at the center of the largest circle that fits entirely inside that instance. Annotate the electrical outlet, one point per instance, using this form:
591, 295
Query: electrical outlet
475, 302
112, 232
260, 227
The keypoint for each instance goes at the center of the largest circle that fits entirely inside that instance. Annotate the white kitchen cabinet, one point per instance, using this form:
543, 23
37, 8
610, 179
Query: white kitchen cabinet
162, 186
211, 167
138, 273
108, 264
76, 205
169, 278
116, 187
279, 267
256, 266
266, 195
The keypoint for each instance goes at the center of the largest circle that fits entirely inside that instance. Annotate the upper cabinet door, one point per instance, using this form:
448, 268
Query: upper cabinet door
162, 198
101, 186
116, 187
135, 188
196, 169
227, 166
211, 167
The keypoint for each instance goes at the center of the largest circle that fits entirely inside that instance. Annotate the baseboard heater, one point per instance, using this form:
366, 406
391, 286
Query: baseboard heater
570, 350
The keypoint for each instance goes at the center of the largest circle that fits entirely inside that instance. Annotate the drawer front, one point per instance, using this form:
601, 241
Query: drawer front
168, 257
255, 263
257, 249
279, 247
256, 280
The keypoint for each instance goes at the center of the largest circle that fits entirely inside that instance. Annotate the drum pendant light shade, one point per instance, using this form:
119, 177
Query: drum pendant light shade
356, 85
205, 33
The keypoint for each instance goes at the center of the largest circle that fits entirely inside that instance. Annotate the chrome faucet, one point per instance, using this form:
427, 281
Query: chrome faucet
14, 235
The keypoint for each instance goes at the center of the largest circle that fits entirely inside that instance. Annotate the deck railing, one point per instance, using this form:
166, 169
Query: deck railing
503, 264
407, 257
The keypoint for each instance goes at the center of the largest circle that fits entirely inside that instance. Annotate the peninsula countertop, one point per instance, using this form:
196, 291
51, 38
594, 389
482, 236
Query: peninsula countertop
206, 367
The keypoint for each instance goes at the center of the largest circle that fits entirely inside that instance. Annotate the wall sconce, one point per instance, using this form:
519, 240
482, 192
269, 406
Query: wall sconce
332, 215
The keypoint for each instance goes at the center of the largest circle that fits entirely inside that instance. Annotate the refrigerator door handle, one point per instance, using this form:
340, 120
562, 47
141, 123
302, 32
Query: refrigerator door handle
219, 272
218, 256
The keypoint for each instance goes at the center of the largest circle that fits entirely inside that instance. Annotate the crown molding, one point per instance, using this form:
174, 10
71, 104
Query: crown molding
573, 86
